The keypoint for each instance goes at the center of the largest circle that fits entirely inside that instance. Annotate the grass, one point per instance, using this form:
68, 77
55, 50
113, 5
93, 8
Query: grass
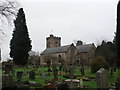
91, 84
113, 78
38, 78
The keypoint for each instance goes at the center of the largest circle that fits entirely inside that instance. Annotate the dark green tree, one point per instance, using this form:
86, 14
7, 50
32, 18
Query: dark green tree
20, 43
108, 50
117, 38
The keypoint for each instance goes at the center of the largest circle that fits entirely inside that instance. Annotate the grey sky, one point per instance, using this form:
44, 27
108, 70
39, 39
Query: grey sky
89, 21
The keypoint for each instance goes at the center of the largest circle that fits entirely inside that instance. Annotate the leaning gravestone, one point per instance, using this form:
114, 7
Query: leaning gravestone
43, 75
32, 75
19, 74
102, 78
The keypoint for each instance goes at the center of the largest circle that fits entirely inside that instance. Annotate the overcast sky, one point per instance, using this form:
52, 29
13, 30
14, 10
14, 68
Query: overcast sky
88, 20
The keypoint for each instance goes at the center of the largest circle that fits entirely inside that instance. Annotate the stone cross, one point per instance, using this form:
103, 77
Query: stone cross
102, 78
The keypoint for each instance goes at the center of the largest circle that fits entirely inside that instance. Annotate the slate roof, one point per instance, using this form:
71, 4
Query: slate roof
84, 48
80, 48
56, 50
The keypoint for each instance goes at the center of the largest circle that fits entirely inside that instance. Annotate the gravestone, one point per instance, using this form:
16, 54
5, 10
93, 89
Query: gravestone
32, 83
7, 80
102, 78
32, 75
24, 73
81, 83
19, 74
72, 83
43, 75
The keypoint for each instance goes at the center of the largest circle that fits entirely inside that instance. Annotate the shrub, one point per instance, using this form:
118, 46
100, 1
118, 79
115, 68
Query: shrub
99, 62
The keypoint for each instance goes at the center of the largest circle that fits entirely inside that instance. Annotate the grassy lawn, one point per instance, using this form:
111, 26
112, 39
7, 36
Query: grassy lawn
39, 70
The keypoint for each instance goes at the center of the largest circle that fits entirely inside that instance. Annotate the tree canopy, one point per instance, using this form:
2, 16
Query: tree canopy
20, 43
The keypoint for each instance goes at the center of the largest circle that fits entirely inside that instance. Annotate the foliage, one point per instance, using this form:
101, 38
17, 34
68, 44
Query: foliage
99, 62
108, 50
20, 43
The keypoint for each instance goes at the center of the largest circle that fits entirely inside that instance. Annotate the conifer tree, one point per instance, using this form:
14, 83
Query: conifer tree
20, 43
118, 35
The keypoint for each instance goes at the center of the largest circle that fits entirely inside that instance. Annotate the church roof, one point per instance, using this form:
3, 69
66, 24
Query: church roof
84, 48
56, 50
80, 48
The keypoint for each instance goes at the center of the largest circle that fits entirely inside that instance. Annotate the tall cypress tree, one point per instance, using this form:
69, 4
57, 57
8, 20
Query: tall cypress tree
117, 41
20, 43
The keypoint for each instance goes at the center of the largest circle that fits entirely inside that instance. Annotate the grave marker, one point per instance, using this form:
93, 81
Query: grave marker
102, 78
19, 74
43, 75
32, 75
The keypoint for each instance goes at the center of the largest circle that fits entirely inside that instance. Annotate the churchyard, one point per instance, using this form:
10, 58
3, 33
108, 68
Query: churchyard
43, 77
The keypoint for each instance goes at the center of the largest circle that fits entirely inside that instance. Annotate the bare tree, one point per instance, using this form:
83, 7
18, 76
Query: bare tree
8, 11
8, 8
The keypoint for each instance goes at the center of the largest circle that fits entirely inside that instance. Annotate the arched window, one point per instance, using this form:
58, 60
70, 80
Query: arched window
59, 58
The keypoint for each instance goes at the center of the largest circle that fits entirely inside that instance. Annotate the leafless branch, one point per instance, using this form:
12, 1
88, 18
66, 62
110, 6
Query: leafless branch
8, 11
8, 8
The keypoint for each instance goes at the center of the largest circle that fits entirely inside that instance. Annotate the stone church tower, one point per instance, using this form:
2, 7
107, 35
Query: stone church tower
53, 41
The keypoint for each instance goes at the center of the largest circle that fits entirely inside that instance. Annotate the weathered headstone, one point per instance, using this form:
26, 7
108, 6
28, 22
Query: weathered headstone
72, 83
102, 78
81, 83
43, 75
19, 74
24, 73
32, 75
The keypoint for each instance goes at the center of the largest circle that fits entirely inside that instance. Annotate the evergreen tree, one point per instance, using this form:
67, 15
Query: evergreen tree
108, 50
20, 43
118, 35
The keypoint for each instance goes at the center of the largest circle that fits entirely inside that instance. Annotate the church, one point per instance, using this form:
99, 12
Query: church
68, 54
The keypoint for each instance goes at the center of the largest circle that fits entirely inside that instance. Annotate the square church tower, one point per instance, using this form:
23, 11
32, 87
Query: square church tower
53, 41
